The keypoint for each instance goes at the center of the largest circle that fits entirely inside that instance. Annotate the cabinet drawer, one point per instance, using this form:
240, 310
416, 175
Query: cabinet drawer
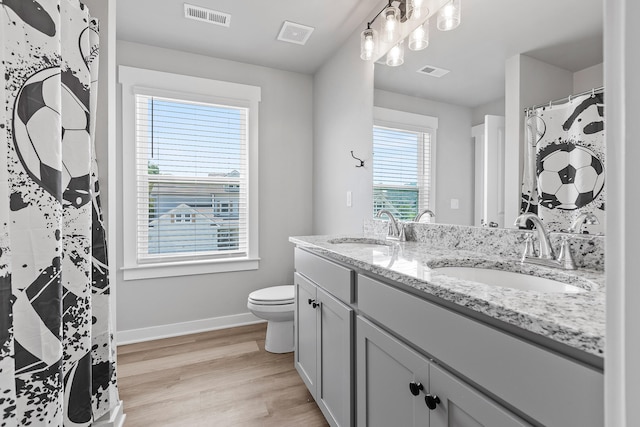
334, 278
547, 387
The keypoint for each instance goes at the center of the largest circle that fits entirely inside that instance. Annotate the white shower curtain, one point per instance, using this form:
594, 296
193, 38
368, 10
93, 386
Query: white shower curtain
564, 164
57, 361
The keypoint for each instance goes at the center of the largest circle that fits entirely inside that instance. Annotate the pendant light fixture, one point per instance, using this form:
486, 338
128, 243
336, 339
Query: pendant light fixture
419, 38
391, 26
416, 10
395, 57
400, 19
368, 43
449, 16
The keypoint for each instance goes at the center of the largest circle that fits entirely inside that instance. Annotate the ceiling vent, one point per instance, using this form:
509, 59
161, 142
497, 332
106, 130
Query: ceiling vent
294, 33
206, 15
433, 71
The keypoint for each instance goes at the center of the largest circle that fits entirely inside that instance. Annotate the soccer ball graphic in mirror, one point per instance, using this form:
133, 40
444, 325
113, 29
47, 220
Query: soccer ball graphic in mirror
569, 176
37, 124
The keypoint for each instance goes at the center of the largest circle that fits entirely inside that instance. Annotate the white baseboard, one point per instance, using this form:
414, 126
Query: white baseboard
114, 418
132, 336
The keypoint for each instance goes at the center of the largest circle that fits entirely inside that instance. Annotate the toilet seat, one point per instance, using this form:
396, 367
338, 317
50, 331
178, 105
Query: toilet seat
275, 295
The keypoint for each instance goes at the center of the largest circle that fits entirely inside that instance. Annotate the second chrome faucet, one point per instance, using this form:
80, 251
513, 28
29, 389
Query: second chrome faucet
546, 256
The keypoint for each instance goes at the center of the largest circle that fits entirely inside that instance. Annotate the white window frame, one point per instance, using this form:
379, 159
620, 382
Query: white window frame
195, 89
402, 120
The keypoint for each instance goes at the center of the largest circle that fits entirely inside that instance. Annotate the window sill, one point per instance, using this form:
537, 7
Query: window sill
189, 268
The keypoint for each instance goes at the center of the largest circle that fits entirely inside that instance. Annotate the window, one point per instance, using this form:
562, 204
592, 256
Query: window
403, 149
190, 146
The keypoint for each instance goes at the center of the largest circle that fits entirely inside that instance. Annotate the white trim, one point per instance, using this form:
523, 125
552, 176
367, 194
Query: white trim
387, 117
138, 80
432, 179
397, 119
132, 336
188, 268
197, 86
114, 418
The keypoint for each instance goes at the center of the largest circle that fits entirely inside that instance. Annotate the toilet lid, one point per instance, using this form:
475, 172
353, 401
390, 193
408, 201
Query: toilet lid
274, 295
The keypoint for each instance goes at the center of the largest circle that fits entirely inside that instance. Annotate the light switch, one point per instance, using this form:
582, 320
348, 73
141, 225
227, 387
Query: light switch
455, 204
348, 199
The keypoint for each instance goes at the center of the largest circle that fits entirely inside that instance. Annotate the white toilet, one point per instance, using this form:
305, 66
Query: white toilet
275, 305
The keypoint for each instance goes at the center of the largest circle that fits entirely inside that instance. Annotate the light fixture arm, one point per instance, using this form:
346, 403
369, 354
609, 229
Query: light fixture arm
402, 2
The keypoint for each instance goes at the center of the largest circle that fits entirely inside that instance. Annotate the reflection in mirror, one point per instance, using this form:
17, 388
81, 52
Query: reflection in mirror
476, 82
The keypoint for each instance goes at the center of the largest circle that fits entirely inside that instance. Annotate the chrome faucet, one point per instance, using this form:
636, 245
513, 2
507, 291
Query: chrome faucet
396, 229
565, 258
582, 219
427, 212
546, 250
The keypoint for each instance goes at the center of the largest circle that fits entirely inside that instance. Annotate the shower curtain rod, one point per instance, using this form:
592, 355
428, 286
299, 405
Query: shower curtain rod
567, 98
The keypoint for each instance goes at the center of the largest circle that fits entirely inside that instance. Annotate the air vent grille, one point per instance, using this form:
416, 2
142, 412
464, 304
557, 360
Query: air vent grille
202, 14
294, 33
432, 71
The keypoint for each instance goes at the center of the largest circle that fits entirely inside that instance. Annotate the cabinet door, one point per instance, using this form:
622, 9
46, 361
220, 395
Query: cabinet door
462, 406
334, 388
305, 331
385, 369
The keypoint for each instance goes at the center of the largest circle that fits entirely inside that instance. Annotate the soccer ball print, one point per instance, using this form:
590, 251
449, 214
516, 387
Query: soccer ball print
36, 118
564, 162
569, 176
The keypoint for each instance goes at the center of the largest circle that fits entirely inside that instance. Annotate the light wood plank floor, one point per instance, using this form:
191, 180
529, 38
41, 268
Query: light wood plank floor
219, 378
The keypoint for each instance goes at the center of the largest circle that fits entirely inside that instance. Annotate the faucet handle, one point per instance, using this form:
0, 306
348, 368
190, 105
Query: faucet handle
529, 249
403, 236
565, 258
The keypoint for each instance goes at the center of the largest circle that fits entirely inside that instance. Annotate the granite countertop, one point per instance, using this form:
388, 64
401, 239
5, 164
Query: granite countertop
574, 319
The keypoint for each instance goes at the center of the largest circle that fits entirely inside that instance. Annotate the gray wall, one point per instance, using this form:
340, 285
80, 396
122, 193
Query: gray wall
105, 11
622, 71
493, 108
528, 82
454, 152
343, 121
589, 78
285, 138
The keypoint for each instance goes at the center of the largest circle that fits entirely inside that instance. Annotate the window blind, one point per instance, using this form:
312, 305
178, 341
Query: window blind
191, 186
401, 171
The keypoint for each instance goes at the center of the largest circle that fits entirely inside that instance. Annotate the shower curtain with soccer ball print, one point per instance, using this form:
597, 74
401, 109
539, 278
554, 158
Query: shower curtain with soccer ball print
56, 352
564, 164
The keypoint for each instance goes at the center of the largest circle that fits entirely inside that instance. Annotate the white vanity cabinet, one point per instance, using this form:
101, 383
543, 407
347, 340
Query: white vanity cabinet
324, 334
399, 386
391, 380
542, 386
405, 359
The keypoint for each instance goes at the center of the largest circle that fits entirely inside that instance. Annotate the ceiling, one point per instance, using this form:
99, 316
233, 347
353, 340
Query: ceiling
564, 33
252, 35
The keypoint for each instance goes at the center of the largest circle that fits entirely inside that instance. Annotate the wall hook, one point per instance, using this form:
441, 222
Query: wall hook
360, 160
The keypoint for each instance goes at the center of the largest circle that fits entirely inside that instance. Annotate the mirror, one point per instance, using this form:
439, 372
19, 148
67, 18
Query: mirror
500, 51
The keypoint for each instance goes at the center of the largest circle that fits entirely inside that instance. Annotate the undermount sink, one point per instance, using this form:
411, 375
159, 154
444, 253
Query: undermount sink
359, 241
508, 279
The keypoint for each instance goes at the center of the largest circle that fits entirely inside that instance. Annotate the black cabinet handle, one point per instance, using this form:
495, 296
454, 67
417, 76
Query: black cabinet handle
432, 401
313, 303
415, 388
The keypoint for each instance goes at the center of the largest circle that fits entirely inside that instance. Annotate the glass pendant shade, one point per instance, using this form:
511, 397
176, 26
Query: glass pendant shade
416, 10
391, 25
449, 16
419, 38
395, 57
368, 44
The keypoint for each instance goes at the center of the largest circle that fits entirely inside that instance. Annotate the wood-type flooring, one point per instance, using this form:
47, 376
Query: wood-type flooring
219, 378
